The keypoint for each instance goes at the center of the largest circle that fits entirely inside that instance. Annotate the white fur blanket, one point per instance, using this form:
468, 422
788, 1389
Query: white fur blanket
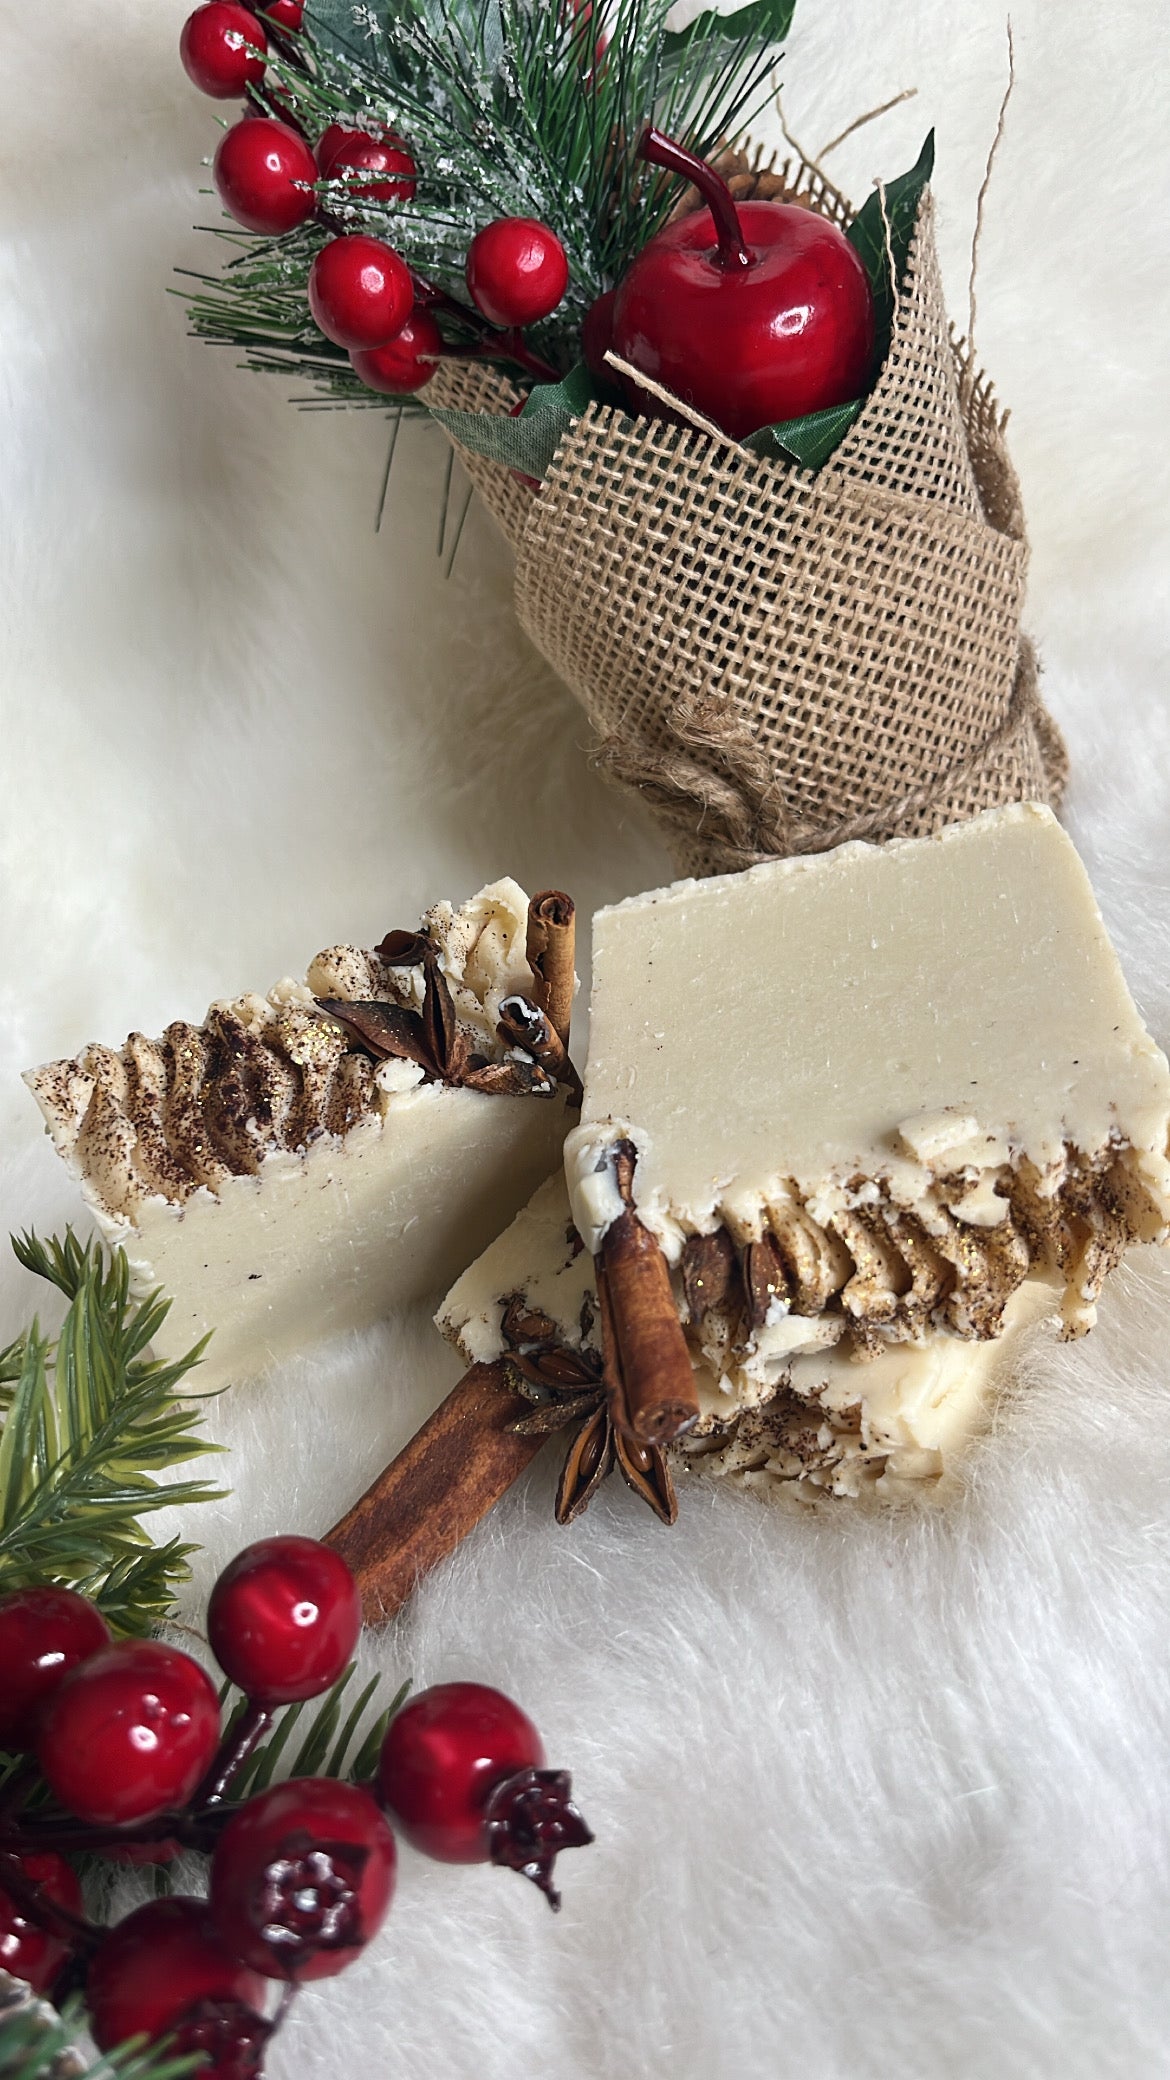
871, 1798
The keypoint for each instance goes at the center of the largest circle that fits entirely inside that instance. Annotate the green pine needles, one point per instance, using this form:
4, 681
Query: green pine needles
38, 2043
87, 1423
510, 108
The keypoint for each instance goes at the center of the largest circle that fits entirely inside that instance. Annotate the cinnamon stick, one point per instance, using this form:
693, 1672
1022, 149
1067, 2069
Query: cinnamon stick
648, 1366
464, 1458
523, 1024
552, 932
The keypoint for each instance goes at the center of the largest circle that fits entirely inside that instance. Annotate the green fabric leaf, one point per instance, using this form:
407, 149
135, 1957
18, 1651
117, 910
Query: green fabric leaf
766, 21
867, 235
528, 442
809, 441
333, 24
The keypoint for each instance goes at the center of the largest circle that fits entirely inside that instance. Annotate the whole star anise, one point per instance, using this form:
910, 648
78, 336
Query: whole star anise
433, 1037
566, 1387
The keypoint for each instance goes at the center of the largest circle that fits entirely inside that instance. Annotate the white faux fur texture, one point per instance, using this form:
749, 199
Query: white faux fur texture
872, 1798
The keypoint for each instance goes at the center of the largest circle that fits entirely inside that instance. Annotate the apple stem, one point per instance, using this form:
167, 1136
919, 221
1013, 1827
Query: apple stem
659, 150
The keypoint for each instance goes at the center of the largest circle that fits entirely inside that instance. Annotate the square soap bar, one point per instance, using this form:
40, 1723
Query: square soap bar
872, 1092
880, 1429
276, 1179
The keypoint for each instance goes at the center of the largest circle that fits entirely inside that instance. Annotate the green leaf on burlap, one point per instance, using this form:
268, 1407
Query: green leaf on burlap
766, 21
528, 442
867, 235
809, 441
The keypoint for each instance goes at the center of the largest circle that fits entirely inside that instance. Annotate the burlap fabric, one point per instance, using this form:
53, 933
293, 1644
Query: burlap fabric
776, 660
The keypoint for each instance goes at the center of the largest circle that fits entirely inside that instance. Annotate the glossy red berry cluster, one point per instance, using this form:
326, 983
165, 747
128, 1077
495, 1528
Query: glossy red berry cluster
127, 1738
272, 178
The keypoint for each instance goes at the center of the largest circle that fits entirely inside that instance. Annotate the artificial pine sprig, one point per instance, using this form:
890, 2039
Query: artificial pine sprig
510, 108
87, 1425
39, 2043
331, 1747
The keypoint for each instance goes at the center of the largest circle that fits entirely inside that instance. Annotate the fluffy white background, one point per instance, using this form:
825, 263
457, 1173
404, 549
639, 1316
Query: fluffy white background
871, 1798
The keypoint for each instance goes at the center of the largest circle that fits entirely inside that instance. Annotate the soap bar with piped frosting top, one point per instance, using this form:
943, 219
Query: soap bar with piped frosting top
280, 1179
888, 1428
873, 1091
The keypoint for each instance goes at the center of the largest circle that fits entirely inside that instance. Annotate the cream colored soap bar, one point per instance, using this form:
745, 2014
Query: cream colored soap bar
891, 1428
279, 1183
893, 1081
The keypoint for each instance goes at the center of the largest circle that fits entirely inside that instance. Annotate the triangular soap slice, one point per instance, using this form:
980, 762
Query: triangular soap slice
281, 1176
870, 1092
886, 1429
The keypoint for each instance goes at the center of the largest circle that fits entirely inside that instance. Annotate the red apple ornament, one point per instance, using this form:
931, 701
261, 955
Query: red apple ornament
753, 313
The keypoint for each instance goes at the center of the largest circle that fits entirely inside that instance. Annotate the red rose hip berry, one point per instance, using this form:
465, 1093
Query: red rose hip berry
406, 362
44, 1633
302, 1877
130, 1733
517, 272
284, 1618
360, 291
214, 49
461, 1772
263, 173
162, 1970
287, 14
27, 1950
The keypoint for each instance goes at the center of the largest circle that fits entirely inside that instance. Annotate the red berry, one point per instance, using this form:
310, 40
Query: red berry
43, 1634
163, 1969
287, 14
27, 1950
516, 271
302, 1877
343, 152
129, 1733
460, 1770
284, 1618
214, 49
263, 173
406, 362
360, 291
442, 1755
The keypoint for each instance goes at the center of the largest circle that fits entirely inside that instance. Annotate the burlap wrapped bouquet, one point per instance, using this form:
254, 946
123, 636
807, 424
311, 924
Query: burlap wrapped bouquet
779, 659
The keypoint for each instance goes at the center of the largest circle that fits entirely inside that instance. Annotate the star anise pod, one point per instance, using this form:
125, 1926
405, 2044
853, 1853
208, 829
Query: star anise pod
433, 1037
566, 1388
